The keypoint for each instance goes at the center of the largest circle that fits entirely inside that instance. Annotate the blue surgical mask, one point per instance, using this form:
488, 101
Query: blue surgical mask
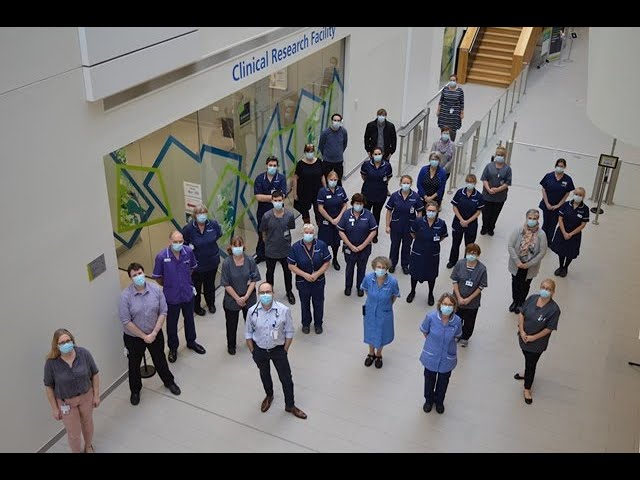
176, 247
531, 223
445, 137
446, 309
381, 118
380, 272
272, 170
309, 155
266, 298
201, 217
431, 214
308, 237
278, 205
471, 257
357, 207
333, 183
237, 251
434, 163
66, 347
452, 83
577, 198
471, 186
377, 158
336, 124
405, 187
544, 293
139, 280
559, 169
499, 159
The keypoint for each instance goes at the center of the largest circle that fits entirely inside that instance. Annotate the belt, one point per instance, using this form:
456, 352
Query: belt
269, 349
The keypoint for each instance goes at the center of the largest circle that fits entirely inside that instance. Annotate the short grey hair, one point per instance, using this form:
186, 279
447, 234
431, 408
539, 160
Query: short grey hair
533, 210
200, 208
309, 226
436, 155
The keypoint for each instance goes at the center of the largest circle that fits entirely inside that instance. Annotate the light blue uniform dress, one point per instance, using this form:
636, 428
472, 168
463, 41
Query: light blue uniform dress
378, 309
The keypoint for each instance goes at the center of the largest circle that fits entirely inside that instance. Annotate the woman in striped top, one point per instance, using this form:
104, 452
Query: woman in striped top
450, 111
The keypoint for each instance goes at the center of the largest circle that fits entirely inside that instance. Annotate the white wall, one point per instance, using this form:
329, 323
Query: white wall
53, 196
214, 39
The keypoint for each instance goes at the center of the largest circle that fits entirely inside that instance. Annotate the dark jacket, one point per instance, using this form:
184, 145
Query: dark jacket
371, 137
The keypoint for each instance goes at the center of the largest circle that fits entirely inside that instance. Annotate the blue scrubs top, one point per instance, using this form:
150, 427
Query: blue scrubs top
378, 309
176, 274
263, 186
556, 189
403, 211
309, 260
205, 244
466, 205
357, 229
439, 353
374, 187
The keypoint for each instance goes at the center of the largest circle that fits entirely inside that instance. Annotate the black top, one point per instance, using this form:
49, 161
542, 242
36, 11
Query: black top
309, 181
371, 137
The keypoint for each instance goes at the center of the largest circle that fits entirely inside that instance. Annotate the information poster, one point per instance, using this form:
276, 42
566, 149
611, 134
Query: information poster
278, 80
192, 196
546, 41
555, 44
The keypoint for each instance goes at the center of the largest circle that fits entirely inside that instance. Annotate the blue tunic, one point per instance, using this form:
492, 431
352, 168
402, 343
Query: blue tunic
374, 187
263, 186
467, 206
357, 229
425, 250
572, 218
556, 189
332, 201
403, 211
439, 353
205, 244
378, 309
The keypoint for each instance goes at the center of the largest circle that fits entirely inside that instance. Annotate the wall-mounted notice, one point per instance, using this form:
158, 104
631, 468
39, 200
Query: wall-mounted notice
96, 267
278, 80
192, 196
555, 46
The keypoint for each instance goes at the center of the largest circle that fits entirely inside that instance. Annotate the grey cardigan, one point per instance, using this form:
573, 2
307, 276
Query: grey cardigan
533, 259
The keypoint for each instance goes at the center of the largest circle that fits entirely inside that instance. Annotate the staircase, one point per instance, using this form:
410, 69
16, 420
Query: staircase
491, 60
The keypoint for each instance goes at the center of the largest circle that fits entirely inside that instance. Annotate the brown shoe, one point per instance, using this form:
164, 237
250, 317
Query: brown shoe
266, 403
296, 411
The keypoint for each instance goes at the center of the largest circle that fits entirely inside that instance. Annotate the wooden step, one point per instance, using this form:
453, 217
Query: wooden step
490, 72
501, 36
499, 43
507, 32
482, 63
484, 48
487, 81
495, 58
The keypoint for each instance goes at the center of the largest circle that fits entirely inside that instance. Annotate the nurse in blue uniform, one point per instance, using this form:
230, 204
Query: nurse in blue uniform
467, 206
382, 290
309, 259
357, 227
427, 233
573, 217
556, 187
332, 203
403, 207
266, 183
376, 173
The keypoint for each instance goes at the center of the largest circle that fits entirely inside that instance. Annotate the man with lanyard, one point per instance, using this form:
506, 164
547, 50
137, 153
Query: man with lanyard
309, 258
266, 183
269, 333
172, 270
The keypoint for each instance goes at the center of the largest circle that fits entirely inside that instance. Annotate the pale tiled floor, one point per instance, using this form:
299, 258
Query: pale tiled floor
586, 396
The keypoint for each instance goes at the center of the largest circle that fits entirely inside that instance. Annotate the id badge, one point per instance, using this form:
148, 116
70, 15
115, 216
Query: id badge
412, 210
194, 290
436, 238
451, 111
347, 251
286, 234
325, 222
469, 283
274, 334
328, 197
65, 409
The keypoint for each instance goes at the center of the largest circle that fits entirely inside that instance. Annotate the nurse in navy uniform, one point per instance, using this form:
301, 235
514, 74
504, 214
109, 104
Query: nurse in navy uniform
266, 183
574, 216
427, 233
556, 187
467, 206
376, 173
332, 203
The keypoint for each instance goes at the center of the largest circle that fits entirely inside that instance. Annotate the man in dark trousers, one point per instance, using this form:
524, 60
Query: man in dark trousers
381, 133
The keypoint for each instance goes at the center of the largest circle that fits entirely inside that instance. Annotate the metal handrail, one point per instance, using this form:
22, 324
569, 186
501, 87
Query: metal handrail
405, 134
413, 123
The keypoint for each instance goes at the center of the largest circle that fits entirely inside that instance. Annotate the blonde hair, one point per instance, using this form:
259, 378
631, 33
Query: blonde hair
549, 282
55, 351
381, 260
501, 151
200, 208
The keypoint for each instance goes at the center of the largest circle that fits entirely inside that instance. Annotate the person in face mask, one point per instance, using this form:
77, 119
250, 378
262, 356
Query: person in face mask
432, 179
450, 109
332, 203
441, 328
376, 173
332, 144
307, 182
309, 258
380, 133
172, 270
202, 234
265, 184
496, 180
143, 310
556, 187
356, 228
469, 279
446, 147
382, 291
403, 207
72, 385
239, 276
467, 206
527, 247
573, 218
538, 318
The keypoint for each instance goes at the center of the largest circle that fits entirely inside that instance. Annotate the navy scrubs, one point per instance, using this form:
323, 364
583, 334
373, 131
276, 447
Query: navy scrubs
572, 218
556, 189
403, 214
357, 229
332, 201
467, 205
425, 251
263, 186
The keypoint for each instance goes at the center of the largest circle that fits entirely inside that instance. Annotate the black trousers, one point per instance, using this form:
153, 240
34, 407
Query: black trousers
470, 233
337, 167
376, 209
137, 348
231, 317
280, 360
435, 386
271, 268
208, 280
549, 223
353, 260
530, 362
452, 134
468, 316
304, 209
520, 286
173, 315
490, 214
394, 251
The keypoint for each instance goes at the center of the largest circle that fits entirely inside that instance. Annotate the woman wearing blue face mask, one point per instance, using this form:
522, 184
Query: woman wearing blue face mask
376, 173
307, 182
72, 385
441, 328
538, 318
431, 180
527, 247
556, 187
496, 180
382, 290
332, 203
450, 110
239, 276
203, 233
573, 218
446, 147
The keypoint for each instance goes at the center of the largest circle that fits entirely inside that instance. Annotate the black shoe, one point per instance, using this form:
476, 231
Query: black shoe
306, 329
431, 300
378, 362
483, 231
563, 272
175, 389
231, 350
451, 264
135, 398
291, 298
512, 307
200, 311
516, 310
392, 268
173, 356
347, 292
259, 259
405, 270
440, 408
558, 271
196, 347
360, 293
411, 296
336, 265
375, 240
369, 360
212, 309
490, 232
318, 329
427, 407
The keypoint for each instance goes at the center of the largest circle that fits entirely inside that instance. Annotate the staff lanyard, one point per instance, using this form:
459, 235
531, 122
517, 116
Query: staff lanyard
313, 269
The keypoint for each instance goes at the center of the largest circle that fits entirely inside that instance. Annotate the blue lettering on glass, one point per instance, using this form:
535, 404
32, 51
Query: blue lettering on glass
246, 68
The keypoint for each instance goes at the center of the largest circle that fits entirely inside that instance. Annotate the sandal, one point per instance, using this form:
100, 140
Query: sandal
378, 362
89, 449
517, 376
369, 360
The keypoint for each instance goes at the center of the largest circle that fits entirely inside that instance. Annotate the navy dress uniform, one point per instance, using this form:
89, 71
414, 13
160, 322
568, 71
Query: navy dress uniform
264, 186
467, 205
374, 186
310, 260
403, 214
332, 201
425, 250
357, 229
556, 189
572, 218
